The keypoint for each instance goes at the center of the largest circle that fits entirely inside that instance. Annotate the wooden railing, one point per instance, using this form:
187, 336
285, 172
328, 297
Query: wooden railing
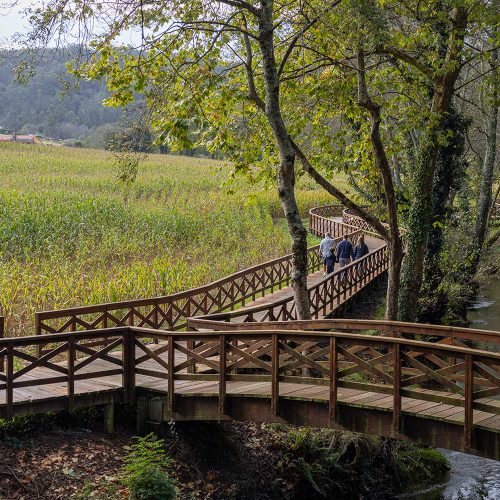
324, 296
448, 335
170, 311
389, 365
355, 221
320, 221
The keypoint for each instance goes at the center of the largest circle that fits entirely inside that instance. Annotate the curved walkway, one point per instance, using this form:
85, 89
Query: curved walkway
386, 378
266, 283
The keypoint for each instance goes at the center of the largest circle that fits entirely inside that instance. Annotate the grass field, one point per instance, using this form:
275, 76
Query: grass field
67, 236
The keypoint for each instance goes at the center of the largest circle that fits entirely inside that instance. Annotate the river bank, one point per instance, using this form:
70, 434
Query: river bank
470, 477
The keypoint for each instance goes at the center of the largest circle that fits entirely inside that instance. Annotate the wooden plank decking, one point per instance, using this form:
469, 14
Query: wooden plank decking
23, 397
262, 374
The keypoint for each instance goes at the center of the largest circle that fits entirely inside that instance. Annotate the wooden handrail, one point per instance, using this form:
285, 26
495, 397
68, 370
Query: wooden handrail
171, 311
461, 376
333, 289
220, 322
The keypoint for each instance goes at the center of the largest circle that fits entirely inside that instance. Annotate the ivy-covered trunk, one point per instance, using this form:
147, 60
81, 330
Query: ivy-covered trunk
450, 171
418, 224
421, 210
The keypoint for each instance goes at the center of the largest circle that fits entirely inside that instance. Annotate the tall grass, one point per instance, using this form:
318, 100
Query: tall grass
69, 236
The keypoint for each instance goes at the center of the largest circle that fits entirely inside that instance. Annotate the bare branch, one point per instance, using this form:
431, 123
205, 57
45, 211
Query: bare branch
341, 197
407, 58
301, 32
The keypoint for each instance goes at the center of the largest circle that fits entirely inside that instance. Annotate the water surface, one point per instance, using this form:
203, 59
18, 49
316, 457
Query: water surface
470, 477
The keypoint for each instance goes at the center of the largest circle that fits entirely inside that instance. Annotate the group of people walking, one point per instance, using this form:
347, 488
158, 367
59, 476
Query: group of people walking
341, 253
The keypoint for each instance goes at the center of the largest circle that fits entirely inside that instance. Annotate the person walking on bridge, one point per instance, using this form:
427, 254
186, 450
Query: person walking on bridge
344, 254
324, 249
359, 251
330, 261
361, 248
344, 251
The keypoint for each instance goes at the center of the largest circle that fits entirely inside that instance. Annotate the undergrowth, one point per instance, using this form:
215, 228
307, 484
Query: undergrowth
145, 471
322, 463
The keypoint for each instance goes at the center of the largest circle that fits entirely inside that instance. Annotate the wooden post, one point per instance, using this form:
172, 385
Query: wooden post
222, 375
396, 389
468, 403
71, 372
128, 360
190, 344
9, 391
333, 366
170, 377
275, 363
141, 414
38, 331
109, 418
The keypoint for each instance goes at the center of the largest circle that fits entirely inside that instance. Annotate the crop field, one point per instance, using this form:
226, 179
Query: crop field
70, 235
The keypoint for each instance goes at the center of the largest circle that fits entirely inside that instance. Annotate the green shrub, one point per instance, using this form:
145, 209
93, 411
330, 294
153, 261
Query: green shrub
152, 483
145, 470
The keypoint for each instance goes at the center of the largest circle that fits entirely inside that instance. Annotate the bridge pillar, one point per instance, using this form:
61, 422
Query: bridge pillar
109, 418
142, 410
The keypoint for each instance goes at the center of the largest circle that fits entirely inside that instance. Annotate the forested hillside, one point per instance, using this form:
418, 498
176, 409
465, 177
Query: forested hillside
41, 107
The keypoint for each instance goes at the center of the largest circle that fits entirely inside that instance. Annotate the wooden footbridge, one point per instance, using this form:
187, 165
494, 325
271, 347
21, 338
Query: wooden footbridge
234, 350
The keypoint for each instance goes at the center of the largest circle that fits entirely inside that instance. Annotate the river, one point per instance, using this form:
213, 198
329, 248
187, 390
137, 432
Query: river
470, 477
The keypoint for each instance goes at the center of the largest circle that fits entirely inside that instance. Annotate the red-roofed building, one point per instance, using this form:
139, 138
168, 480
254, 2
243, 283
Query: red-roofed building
25, 139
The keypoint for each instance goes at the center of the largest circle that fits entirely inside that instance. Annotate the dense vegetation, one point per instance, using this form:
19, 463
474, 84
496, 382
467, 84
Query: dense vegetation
41, 107
403, 96
72, 234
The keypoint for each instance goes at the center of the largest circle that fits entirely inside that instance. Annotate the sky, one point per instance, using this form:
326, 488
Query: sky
13, 20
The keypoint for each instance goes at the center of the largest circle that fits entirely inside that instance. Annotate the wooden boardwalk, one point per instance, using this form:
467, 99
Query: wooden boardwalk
256, 375
246, 357
314, 280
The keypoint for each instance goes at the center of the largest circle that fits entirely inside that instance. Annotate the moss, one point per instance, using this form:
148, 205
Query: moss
416, 464
434, 461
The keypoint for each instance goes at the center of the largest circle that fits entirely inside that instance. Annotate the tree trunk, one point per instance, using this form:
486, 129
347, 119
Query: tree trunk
419, 220
420, 214
395, 248
393, 238
486, 190
286, 169
448, 178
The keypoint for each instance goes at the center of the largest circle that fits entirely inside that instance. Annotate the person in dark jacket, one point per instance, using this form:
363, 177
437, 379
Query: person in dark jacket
330, 261
344, 252
359, 251
361, 248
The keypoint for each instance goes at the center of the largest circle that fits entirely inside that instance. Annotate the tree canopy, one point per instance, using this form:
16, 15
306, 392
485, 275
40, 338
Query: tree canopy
372, 88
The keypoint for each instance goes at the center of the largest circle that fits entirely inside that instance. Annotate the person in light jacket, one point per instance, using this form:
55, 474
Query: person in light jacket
324, 248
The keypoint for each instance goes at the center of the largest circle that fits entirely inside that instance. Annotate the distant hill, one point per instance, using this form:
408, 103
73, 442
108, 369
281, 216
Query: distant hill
39, 108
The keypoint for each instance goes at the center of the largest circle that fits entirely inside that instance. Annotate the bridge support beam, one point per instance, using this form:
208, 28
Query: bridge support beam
109, 418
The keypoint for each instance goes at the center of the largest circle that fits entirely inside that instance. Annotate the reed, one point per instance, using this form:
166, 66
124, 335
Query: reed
70, 234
